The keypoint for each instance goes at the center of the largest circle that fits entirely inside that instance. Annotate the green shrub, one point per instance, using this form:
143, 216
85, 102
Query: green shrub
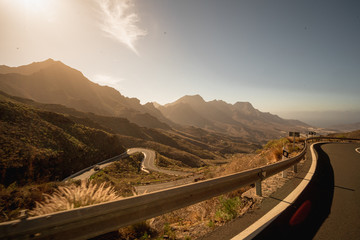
228, 209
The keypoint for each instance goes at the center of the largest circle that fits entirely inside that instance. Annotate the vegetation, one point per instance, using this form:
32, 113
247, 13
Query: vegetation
201, 218
140, 231
228, 209
74, 196
15, 198
353, 134
124, 174
273, 150
39, 146
190, 145
165, 162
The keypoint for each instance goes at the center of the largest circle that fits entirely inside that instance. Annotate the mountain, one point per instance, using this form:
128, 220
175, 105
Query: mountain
27, 69
190, 145
239, 119
54, 82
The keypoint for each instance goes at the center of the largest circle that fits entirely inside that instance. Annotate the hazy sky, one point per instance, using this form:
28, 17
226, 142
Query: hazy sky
282, 56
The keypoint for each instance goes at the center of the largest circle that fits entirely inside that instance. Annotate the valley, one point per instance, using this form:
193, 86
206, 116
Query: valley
55, 122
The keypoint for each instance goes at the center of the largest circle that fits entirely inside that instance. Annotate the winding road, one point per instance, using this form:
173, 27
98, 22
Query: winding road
148, 164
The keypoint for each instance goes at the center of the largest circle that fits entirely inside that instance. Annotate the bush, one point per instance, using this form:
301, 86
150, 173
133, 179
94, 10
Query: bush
140, 230
74, 196
228, 209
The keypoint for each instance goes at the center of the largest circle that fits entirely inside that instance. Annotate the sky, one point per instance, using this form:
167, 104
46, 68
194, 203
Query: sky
298, 59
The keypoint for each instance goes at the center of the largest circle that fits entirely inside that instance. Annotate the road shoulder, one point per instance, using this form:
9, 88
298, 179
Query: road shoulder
236, 226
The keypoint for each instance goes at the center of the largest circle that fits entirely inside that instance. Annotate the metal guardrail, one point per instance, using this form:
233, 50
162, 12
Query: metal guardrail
91, 167
91, 221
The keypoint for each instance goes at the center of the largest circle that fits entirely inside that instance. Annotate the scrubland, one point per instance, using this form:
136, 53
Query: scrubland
117, 180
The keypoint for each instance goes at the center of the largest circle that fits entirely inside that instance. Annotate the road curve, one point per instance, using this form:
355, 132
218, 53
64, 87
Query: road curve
148, 163
357, 150
87, 172
343, 221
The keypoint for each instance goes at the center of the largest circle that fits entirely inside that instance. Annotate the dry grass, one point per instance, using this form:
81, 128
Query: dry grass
193, 221
273, 150
199, 219
74, 196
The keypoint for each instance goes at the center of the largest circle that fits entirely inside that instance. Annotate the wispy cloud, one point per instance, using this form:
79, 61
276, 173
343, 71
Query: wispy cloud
106, 80
119, 21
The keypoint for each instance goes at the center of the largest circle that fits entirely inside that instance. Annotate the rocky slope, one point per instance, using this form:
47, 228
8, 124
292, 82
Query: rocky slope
239, 119
41, 146
54, 82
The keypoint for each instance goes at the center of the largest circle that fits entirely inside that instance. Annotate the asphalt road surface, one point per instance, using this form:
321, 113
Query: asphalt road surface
87, 172
334, 196
90, 172
343, 221
149, 162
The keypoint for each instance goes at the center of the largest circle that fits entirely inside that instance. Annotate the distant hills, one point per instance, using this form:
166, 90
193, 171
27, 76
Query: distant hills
239, 119
53, 82
351, 134
346, 127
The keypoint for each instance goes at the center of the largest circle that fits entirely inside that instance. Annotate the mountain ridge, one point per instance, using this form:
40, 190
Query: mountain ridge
239, 119
53, 82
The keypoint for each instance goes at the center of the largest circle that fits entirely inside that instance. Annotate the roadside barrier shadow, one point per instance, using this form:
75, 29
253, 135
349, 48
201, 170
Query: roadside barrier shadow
319, 193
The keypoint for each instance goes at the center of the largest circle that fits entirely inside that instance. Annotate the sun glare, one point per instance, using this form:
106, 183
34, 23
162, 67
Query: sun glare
34, 6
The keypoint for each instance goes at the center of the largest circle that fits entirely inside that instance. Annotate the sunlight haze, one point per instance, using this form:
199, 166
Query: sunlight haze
289, 58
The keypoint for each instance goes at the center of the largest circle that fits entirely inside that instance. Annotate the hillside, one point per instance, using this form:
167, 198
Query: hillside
240, 119
56, 83
189, 145
41, 146
352, 134
347, 127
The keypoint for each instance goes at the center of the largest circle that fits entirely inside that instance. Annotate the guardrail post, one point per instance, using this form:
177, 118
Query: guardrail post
262, 175
284, 173
258, 188
295, 168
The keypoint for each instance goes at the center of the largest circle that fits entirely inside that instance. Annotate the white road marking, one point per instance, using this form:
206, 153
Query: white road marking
264, 221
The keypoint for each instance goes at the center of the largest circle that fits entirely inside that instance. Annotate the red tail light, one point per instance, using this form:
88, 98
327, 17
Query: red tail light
301, 214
